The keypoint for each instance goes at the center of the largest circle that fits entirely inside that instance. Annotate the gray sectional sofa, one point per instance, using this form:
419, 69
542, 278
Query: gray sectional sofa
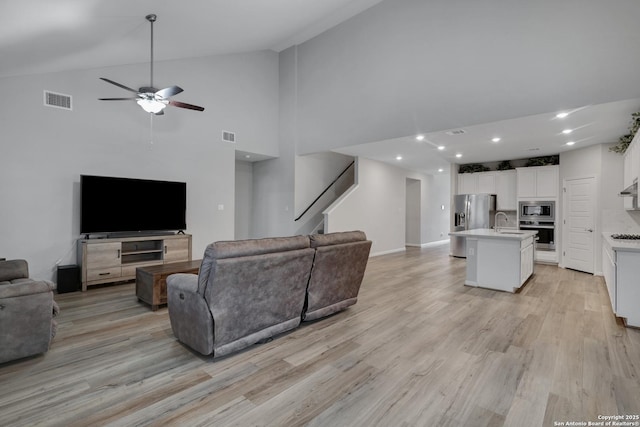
250, 290
27, 311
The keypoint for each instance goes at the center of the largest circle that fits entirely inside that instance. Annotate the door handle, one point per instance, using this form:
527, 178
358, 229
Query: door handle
590, 230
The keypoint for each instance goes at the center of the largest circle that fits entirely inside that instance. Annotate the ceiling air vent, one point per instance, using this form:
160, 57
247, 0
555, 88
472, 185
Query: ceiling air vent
228, 136
456, 132
57, 100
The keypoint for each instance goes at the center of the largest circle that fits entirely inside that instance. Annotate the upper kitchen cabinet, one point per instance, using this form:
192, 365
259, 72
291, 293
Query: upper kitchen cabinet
537, 182
487, 182
500, 183
632, 161
506, 191
467, 183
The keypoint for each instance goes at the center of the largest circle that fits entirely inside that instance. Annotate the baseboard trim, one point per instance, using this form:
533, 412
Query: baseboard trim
391, 251
428, 244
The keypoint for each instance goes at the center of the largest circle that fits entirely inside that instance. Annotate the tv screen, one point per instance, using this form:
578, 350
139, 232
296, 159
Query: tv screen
110, 204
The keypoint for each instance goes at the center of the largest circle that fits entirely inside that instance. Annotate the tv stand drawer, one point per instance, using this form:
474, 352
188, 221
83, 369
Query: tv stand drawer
103, 273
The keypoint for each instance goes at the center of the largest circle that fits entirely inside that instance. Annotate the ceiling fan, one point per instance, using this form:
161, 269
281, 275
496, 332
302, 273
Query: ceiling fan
149, 98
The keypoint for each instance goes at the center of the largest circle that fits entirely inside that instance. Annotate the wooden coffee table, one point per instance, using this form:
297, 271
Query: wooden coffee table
151, 282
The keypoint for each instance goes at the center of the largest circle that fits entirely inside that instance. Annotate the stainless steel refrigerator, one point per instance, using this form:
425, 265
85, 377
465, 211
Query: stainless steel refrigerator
470, 211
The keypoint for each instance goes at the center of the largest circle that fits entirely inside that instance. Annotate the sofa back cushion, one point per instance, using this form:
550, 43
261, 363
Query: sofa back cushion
242, 248
13, 269
337, 238
338, 269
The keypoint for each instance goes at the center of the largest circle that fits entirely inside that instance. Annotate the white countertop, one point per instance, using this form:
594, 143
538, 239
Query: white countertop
493, 234
622, 245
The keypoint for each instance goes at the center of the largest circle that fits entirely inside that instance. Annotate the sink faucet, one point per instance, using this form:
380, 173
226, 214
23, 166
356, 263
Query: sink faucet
506, 220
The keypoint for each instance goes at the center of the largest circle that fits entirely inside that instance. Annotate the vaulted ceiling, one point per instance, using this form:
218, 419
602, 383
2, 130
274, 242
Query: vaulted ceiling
41, 36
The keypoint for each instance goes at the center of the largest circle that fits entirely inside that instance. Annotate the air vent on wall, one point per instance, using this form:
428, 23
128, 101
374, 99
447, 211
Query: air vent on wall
228, 136
455, 132
57, 100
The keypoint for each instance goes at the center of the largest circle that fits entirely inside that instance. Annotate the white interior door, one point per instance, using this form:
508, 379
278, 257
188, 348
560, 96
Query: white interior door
579, 224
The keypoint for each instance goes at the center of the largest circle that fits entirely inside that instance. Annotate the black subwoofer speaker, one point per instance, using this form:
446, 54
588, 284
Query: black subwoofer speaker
68, 278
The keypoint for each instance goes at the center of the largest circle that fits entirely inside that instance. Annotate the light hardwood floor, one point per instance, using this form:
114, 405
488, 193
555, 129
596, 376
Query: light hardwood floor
418, 349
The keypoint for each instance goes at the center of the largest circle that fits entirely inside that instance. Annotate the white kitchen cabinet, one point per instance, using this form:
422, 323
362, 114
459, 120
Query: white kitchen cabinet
526, 260
632, 161
506, 190
621, 269
609, 272
627, 289
537, 182
486, 182
467, 183
628, 173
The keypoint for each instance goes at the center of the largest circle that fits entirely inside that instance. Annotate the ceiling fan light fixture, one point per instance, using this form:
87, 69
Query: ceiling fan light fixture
151, 105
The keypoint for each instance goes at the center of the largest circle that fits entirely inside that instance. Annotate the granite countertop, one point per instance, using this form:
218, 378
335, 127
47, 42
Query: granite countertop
622, 245
507, 234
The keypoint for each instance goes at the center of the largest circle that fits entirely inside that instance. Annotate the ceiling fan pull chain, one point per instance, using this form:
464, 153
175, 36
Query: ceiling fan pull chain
151, 129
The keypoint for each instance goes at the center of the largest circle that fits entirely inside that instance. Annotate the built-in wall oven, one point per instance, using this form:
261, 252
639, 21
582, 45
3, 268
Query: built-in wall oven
539, 216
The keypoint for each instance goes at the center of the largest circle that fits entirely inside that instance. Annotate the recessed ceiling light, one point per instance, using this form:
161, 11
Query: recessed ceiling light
248, 156
496, 139
440, 170
441, 147
420, 137
398, 157
571, 143
567, 131
562, 115
458, 155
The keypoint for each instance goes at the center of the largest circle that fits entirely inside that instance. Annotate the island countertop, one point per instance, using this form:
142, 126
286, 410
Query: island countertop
493, 234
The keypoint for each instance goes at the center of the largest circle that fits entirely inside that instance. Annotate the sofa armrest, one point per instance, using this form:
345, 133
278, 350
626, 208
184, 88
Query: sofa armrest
20, 289
191, 320
183, 282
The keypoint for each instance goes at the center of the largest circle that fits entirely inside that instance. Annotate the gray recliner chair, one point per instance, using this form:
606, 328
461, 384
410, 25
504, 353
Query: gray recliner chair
27, 311
338, 269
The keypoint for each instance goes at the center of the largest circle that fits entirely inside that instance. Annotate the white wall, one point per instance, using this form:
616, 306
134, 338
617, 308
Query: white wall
377, 205
273, 180
435, 220
607, 168
243, 199
413, 199
313, 173
45, 150
615, 219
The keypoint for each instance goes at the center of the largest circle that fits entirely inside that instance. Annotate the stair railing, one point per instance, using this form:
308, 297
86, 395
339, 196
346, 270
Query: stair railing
325, 190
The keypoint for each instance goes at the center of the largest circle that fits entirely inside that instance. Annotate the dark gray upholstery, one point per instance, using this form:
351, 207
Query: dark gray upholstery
246, 291
338, 269
27, 309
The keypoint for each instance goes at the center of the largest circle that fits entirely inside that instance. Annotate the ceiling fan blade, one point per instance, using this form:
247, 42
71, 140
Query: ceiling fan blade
184, 105
169, 91
119, 85
116, 99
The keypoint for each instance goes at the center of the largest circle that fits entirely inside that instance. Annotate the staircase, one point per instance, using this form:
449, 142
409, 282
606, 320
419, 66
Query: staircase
311, 220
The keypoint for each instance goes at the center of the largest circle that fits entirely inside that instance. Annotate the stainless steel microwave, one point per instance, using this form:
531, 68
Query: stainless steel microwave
537, 211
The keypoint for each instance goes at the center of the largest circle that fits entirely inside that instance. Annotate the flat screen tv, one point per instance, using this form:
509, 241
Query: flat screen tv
110, 205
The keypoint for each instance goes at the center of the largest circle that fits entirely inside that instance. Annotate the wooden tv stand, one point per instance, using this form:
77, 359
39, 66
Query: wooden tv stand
116, 259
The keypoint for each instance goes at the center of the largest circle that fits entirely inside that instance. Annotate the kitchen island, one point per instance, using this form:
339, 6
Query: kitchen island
501, 260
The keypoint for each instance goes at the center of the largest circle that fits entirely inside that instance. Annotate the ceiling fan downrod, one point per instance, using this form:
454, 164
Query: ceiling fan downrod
151, 18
